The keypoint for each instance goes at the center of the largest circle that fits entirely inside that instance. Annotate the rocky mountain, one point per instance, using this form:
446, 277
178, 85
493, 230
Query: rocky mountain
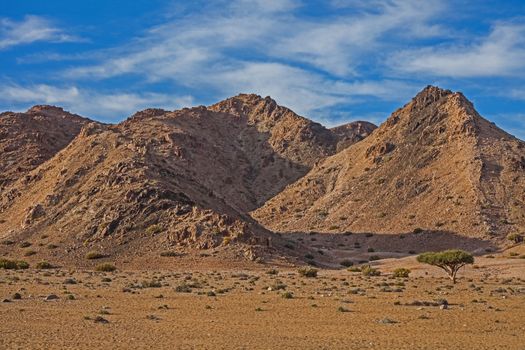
163, 180
435, 164
29, 139
351, 133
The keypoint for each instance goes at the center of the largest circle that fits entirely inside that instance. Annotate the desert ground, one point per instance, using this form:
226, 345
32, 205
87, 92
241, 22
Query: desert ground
258, 306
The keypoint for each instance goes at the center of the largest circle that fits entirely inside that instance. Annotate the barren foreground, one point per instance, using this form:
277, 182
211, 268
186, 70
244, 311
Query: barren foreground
207, 309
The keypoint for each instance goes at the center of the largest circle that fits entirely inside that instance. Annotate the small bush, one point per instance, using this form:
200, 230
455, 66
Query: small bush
401, 273
515, 237
308, 272
370, 250
417, 230
272, 272
94, 255
30, 253
105, 267
151, 284
354, 269
13, 265
153, 230
287, 295
370, 271
309, 256
25, 244
44, 265
374, 258
169, 254
22, 265
183, 288
346, 263
7, 264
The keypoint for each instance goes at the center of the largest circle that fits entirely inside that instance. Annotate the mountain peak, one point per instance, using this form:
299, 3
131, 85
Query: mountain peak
429, 95
41, 108
244, 104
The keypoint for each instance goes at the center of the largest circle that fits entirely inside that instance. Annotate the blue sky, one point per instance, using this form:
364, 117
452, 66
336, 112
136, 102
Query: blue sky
332, 61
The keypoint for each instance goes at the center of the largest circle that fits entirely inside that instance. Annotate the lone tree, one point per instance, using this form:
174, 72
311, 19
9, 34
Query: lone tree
449, 260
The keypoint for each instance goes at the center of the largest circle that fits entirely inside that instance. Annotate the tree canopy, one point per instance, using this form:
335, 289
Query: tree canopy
449, 260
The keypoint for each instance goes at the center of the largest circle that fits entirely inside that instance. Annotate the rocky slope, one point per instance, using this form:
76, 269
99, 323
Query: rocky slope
164, 180
29, 139
435, 164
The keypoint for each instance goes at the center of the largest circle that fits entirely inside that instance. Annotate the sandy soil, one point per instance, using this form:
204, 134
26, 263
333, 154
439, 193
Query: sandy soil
245, 309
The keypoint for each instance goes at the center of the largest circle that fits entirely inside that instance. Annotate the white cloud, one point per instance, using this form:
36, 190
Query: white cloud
501, 53
88, 102
30, 29
336, 45
264, 47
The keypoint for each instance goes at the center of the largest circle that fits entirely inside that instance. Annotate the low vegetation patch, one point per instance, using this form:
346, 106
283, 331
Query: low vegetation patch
308, 272
153, 230
169, 254
515, 237
43, 265
94, 255
401, 273
151, 284
13, 264
370, 271
105, 267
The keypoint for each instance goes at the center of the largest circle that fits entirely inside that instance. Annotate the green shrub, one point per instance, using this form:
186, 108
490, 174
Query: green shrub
94, 255
417, 230
30, 253
308, 272
374, 258
309, 256
7, 264
25, 244
169, 254
515, 237
370, 271
44, 265
22, 265
354, 269
153, 230
183, 288
151, 284
370, 250
287, 295
401, 273
105, 267
13, 265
